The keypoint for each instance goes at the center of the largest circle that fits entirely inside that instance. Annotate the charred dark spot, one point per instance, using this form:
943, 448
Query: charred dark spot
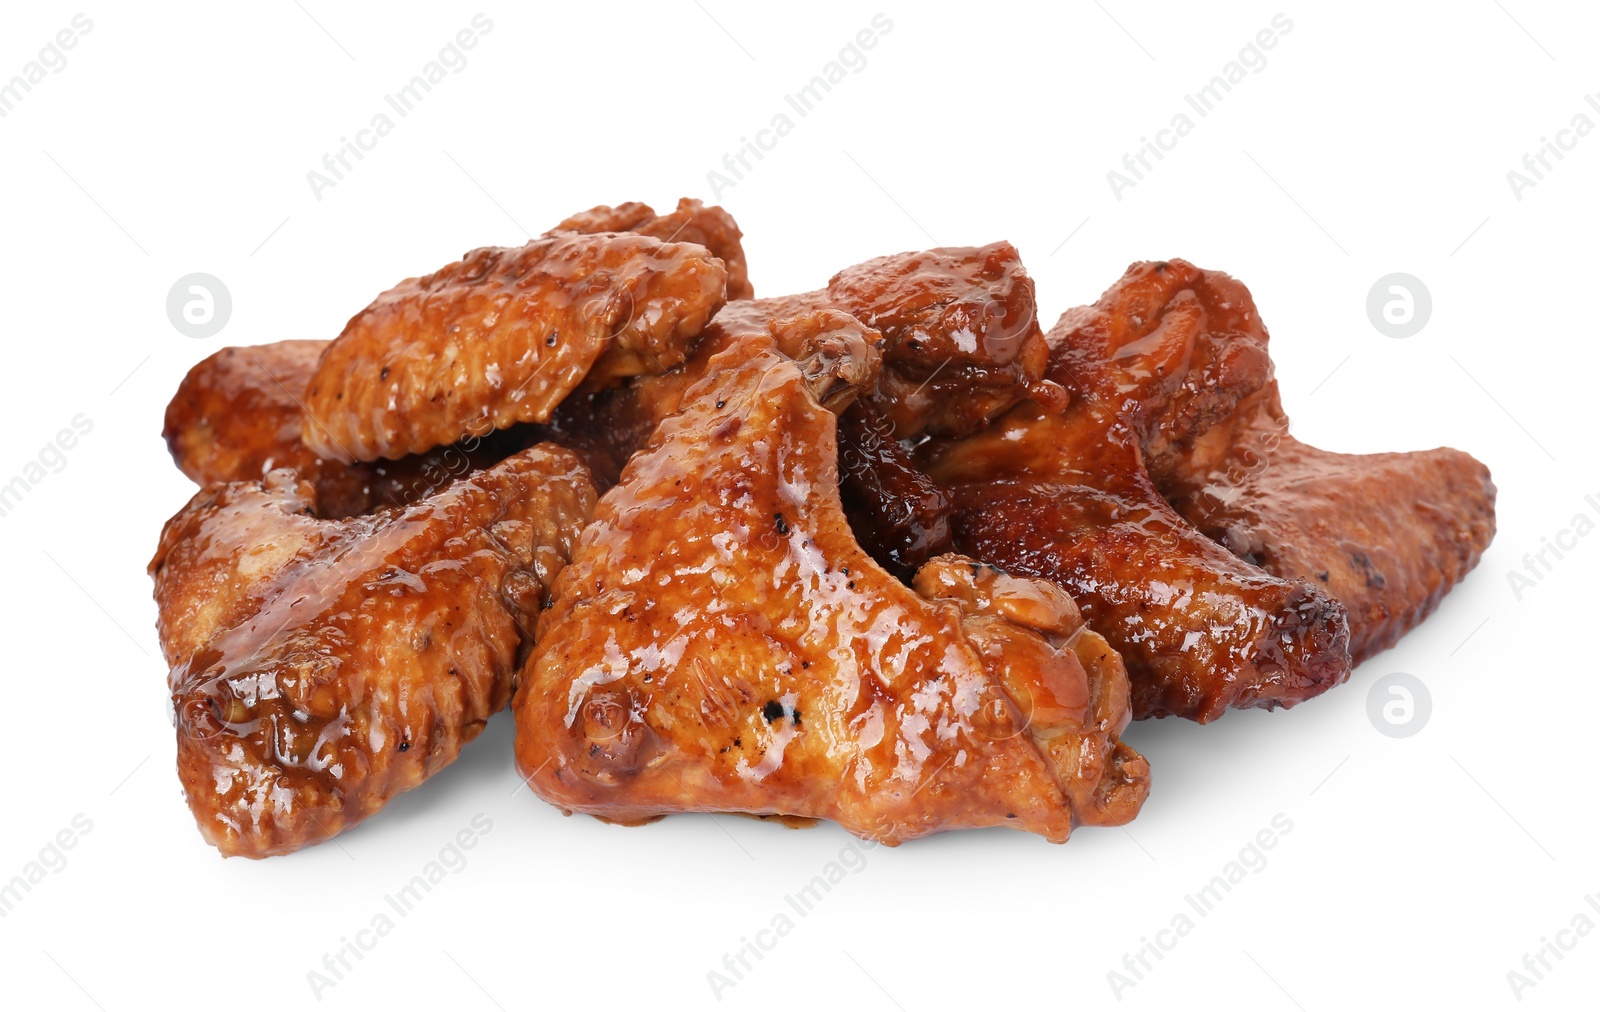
721, 403
405, 746
550, 341
782, 524
772, 711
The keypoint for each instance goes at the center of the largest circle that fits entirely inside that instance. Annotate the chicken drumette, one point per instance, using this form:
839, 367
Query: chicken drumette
721, 643
320, 667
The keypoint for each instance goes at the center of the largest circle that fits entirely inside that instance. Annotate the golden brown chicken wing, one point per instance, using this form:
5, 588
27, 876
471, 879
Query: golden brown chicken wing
711, 227
721, 643
1384, 534
319, 668
238, 414
503, 336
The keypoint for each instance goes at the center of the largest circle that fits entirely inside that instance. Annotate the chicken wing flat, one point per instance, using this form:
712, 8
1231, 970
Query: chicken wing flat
238, 414
1064, 496
1384, 534
721, 643
503, 336
320, 667
711, 227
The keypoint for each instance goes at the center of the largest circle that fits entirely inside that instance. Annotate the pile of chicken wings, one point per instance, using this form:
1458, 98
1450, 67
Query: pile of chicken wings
885, 553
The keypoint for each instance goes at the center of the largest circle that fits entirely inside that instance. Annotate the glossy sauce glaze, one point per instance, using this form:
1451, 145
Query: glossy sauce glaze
320, 667
237, 415
502, 336
721, 643
691, 221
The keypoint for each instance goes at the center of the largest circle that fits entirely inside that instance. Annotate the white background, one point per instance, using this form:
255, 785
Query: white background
1418, 871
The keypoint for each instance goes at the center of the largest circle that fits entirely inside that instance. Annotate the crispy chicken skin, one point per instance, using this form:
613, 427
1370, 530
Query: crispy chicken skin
320, 667
721, 643
238, 415
693, 221
503, 336
1385, 534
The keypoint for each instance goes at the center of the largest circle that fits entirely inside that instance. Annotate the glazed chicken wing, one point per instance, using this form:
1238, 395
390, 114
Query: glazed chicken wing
238, 414
711, 227
1065, 494
721, 643
1385, 534
320, 667
503, 336
961, 344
